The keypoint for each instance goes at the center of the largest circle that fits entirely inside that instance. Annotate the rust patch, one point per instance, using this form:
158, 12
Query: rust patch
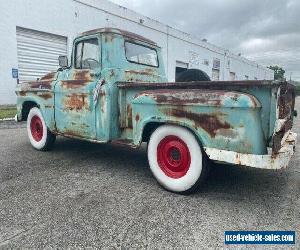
41, 85
74, 84
76, 102
82, 75
147, 72
102, 95
121, 32
137, 117
129, 115
209, 122
49, 77
22, 93
277, 138
46, 95
179, 97
212, 85
71, 133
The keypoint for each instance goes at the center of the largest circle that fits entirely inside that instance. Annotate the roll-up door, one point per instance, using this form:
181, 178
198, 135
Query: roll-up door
38, 53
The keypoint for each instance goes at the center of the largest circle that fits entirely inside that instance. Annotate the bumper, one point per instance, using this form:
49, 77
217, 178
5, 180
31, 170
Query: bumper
270, 161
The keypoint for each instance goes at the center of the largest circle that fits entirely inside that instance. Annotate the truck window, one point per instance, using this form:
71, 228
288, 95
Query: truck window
140, 54
87, 54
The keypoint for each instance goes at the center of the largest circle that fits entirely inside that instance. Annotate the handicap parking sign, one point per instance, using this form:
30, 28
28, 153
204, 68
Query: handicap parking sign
14, 73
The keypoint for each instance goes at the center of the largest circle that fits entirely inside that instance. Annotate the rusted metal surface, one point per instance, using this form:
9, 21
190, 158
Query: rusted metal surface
199, 85
211, 123
76, 102
269, 161
49, 77
120, 32
284, 122
79, 79
137, 117
129, 115
194, 96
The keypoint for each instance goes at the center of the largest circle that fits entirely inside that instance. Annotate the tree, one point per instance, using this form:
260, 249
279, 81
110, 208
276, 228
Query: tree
278, 72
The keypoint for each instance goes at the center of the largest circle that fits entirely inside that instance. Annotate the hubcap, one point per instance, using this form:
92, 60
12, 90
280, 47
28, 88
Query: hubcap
36, 127
173, 157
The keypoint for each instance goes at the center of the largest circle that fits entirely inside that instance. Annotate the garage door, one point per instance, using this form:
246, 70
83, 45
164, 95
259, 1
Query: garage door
38, 53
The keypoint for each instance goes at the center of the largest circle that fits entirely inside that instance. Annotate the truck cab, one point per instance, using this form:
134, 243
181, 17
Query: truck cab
115, 90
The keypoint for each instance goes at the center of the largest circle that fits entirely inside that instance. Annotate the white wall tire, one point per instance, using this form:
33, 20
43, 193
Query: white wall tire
39, 135
176, 159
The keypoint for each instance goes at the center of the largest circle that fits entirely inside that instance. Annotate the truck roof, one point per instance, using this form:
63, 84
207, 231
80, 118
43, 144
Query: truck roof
121, 32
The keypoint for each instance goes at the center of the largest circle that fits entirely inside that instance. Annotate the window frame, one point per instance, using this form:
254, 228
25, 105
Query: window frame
143, 45
82, 39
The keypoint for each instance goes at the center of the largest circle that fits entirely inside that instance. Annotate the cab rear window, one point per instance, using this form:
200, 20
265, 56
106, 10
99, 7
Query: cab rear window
140, 54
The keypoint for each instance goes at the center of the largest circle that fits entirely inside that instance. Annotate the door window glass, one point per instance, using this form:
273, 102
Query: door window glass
87, 54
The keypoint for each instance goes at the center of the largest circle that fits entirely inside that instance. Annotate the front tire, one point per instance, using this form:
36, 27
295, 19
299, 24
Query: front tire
39, 135
176, 159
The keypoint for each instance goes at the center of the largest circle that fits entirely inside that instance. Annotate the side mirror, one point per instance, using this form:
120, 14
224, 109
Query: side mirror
63, 61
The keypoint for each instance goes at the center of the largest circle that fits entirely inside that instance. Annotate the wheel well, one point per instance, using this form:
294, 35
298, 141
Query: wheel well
26, 108
150, 127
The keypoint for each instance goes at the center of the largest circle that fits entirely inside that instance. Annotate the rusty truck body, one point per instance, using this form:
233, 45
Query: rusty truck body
115, 91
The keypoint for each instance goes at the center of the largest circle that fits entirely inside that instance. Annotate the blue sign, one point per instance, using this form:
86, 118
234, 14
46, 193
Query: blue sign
14, 73
260, 237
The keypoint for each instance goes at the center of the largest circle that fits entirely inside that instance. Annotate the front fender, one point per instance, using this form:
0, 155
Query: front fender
43, 99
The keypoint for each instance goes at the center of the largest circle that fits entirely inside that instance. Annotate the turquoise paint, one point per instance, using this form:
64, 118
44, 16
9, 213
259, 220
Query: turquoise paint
249, 117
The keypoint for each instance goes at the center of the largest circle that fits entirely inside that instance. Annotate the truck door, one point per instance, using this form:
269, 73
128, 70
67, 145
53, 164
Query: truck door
74, 105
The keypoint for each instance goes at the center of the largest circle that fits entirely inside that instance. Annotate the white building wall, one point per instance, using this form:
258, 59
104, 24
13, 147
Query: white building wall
70, 17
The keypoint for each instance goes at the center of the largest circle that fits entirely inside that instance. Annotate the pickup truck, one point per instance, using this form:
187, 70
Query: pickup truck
115, 91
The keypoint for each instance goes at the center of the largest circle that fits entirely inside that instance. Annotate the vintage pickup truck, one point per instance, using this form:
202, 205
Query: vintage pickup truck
115, 91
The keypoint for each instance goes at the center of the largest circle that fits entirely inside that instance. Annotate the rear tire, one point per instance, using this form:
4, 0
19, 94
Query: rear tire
176, 159
191, 75
39, 135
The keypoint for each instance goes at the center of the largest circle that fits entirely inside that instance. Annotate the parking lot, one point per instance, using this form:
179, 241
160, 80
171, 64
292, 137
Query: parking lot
89, 195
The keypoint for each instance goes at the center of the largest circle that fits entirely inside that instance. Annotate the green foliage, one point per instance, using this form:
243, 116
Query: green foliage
7, 111
298, 90
278, 72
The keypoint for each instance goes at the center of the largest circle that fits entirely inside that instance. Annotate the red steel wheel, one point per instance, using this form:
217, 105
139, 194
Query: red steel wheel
173, 156
36, 128
176, 159
40, 137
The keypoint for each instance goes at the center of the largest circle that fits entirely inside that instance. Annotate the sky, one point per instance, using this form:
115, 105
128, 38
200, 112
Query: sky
266, 31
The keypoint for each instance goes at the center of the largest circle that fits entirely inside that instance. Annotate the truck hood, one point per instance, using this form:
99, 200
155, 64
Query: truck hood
44, 82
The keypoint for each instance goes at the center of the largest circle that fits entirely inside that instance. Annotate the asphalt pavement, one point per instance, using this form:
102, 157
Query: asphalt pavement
104, 196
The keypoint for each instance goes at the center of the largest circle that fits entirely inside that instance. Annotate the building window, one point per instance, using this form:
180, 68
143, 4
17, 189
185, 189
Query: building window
141, 54
216, 63
232, 76
215, 75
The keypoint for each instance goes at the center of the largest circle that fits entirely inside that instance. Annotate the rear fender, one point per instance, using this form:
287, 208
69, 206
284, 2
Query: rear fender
219, 119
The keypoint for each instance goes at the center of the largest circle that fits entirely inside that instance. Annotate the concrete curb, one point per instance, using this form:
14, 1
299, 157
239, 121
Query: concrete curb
7, 119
